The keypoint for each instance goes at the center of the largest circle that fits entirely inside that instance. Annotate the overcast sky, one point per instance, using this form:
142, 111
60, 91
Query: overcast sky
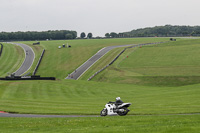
96, 16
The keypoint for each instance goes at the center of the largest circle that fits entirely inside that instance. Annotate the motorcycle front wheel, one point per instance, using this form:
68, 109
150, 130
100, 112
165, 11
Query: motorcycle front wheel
103, 112
124, 112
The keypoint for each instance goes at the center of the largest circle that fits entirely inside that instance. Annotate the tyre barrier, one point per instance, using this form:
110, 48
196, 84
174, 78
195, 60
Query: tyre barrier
139, 45
28, 78
1, 50
37, 66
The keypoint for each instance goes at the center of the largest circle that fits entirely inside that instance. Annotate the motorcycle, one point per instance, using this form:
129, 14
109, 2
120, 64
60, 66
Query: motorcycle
112, 109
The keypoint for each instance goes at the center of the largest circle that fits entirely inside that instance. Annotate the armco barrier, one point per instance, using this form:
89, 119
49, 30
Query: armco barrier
1, 50
37, 66
118, 57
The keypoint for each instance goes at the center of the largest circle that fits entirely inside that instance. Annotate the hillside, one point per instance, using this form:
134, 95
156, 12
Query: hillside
165, 31
168, 64
60, 62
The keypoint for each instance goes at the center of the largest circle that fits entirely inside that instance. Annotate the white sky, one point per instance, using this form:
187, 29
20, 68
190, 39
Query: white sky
96, 16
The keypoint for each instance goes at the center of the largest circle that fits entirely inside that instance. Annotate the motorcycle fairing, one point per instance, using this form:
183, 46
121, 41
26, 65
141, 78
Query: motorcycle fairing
109, 108
124, 105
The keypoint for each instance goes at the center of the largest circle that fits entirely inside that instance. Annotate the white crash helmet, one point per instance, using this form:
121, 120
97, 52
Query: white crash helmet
118, 98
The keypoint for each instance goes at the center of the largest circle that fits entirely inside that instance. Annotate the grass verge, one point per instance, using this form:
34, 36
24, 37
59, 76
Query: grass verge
11, 59
128, 124
83, 97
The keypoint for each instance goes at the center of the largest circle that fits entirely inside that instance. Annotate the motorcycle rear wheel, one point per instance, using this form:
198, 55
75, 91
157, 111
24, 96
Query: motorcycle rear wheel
124, 112
103, 112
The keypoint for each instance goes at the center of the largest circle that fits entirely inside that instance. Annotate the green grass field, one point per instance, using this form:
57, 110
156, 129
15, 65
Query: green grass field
11, 59
165, 100
60, 62
130, 124
168, 64
83, 97
170, 59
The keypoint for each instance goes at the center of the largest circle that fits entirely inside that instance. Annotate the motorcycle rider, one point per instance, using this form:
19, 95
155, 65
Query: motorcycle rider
117, 102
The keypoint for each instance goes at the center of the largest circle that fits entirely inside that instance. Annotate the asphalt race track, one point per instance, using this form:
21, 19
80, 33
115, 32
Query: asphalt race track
83, 68
49, 116
70, 116
29, 58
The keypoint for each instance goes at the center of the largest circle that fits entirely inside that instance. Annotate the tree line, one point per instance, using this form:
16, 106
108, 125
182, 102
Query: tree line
83, 35
159, 31
34, 35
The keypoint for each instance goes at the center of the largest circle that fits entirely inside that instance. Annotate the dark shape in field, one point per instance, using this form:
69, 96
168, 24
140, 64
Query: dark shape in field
1, 50
36, 68
172, 39
37, 43
13, 77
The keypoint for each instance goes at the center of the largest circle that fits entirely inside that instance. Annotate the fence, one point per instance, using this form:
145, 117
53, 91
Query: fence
37, 66
118, 57
1, 50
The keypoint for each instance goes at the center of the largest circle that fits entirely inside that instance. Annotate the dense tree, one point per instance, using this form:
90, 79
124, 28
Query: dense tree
160, 31
113, 35
83, 35
69, 36
167, 30
33, 35
121, 35
107, 35
74, 34
89, 35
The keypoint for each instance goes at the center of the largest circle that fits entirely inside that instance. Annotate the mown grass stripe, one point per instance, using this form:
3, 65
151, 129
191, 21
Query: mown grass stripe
11, 59
4, 59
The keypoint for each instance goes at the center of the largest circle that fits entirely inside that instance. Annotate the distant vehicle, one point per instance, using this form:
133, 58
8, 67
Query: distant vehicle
37, 43
172, 39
